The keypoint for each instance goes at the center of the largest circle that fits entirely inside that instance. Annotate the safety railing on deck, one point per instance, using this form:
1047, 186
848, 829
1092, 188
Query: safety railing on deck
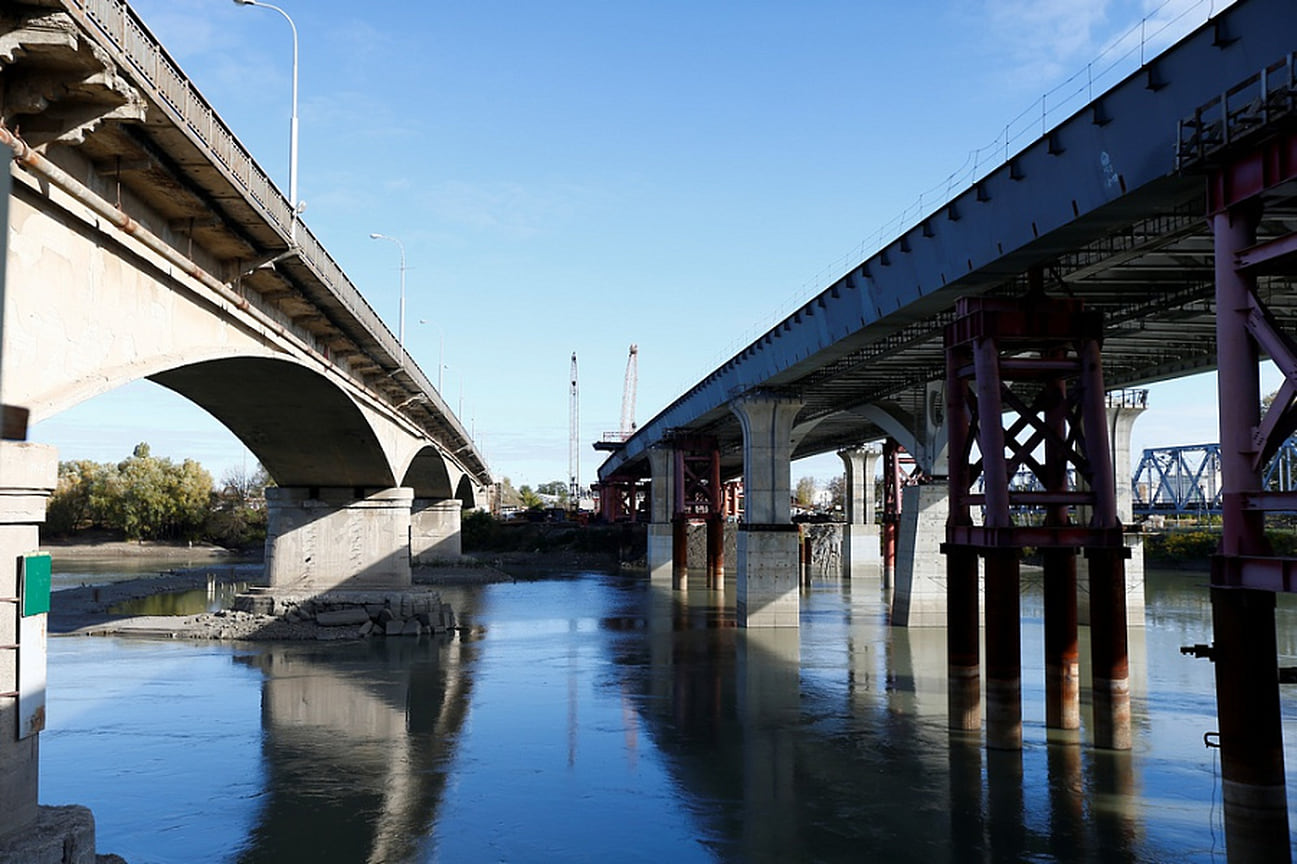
138, 48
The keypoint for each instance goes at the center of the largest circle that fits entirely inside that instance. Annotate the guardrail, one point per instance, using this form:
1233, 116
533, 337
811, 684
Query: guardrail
137, 48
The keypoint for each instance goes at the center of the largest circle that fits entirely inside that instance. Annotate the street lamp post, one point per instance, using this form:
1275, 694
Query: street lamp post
441, 350
400, 325
292, 126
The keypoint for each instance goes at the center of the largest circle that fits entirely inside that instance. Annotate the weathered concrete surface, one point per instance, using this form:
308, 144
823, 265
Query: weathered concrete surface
862, 553
28, 474
325, 539
920, 598
58, 835
435, 530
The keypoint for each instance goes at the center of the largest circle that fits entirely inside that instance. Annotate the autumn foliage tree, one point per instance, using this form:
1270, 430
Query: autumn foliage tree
144, 497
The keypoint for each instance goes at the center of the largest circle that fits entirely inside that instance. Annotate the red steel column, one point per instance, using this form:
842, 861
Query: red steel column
716, 551
891, 507
715, 524
963, 649
1247, 690
1003, 606
1108, 649
1062, 668
680, 552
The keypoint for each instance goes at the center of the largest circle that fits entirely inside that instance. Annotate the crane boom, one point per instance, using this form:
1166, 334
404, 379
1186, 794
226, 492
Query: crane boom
574, 432
628, 394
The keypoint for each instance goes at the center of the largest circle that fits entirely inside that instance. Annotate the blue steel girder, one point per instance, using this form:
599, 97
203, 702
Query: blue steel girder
1178, 480
1097, 202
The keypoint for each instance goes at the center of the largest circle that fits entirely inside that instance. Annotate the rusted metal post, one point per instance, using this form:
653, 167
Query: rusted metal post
1062, 668
891, 508
1247, 690
1108, 650
680, 552
716, 551
963, 621
1003, 650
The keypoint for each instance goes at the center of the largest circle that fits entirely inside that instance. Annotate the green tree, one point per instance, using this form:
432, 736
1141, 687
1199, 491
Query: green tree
804, 495
72, 506
528, 498
157, 499
554, 487
838, 492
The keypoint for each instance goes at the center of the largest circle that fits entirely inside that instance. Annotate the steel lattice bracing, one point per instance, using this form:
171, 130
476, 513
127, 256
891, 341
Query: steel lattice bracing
1178, 480
1187, 479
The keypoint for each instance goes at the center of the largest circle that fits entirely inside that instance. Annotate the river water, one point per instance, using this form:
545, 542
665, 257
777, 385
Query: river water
590, 717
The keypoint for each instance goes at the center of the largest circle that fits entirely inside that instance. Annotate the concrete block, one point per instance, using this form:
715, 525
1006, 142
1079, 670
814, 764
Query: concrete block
343, 617
768, 579
61, 835
366, 628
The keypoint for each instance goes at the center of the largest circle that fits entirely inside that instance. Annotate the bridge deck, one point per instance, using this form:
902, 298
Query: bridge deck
1097, 203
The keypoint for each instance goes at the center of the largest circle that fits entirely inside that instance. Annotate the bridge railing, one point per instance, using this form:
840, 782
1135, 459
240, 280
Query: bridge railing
137, 48
141, 51
1125, 55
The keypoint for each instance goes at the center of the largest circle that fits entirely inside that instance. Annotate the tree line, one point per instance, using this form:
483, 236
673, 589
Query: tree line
145, 497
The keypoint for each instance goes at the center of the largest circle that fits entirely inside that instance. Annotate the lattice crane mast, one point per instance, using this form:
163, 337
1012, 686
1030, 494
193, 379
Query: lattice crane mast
574, 432
628, 394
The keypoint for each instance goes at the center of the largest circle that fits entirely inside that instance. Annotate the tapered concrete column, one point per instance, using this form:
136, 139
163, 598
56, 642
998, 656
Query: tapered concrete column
325, 539
767, 544
662, 496
861, 553
920, 596
28, 474
435, 530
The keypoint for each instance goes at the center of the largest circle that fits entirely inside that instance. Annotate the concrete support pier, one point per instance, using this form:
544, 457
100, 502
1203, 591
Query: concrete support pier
28, 474
661, 531
920, 595
435, 530
322, 539
861, 552
767, 542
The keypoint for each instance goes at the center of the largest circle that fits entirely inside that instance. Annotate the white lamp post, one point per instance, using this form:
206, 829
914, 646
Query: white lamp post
400, 325
292, 126
441, 350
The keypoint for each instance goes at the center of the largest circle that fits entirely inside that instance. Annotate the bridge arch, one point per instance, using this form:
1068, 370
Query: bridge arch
303, 428
466, 492
428, 475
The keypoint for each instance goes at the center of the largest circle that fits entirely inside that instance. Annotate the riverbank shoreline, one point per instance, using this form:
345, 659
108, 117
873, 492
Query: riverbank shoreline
88, 609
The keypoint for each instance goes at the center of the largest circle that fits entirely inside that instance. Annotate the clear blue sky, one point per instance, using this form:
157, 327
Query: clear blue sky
577, 176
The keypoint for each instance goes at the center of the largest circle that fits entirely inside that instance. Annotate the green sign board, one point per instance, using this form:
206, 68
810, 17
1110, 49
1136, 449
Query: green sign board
36, 569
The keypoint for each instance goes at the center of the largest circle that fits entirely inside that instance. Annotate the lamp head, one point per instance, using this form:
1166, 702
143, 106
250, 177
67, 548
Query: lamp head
245, 2
371, 236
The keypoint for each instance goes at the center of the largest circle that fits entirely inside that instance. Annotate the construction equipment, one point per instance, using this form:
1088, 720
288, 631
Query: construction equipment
574, 431
627, 426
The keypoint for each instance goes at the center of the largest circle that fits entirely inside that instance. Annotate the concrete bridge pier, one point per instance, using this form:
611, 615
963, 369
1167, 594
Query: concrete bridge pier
329, 538
661, 532
767, 582
28, 475
435, 529
861, 555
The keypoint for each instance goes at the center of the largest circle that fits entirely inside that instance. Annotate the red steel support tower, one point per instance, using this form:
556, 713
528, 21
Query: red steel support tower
1039, 360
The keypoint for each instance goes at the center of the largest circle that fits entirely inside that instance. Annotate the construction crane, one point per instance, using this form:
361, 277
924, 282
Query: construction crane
573, 462
628, 394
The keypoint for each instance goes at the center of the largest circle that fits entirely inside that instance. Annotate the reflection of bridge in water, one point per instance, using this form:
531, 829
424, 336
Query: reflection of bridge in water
357, 762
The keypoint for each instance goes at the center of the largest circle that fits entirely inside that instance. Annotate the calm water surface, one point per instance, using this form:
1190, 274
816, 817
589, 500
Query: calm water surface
594, 718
